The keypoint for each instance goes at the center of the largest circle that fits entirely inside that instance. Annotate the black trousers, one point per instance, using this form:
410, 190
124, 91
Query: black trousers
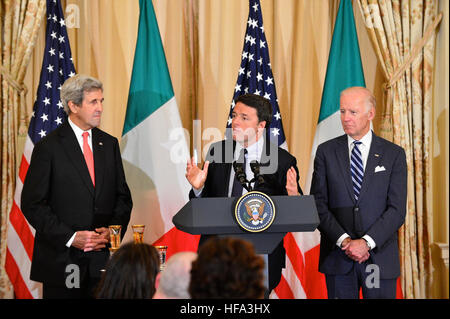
362, 276
86, 290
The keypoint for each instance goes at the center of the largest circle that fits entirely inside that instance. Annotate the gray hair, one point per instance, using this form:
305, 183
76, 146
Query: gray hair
73, 89
369, 98
175, 278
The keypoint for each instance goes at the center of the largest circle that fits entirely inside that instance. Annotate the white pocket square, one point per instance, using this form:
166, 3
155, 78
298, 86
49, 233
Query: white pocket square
379, 169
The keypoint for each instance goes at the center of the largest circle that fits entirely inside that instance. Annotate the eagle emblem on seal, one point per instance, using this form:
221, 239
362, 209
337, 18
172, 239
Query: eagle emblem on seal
255, 209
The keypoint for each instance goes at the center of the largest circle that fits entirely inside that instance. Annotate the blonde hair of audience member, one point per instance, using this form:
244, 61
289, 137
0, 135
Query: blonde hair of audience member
173, 282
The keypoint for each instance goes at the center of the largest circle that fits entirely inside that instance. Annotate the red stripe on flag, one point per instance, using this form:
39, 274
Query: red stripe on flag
399, 289
283, 290
295, 256
20, 224
177, 240
20, 288
315, 286
23, 169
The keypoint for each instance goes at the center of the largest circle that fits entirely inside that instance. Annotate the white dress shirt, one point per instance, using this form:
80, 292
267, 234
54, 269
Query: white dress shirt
254, 152
79, 134
364, 148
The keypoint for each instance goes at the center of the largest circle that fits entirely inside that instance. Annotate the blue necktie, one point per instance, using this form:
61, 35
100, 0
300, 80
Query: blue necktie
356, 168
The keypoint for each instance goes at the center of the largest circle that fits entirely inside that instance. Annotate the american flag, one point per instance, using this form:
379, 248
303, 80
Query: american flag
255, 73
48, 114
300, 278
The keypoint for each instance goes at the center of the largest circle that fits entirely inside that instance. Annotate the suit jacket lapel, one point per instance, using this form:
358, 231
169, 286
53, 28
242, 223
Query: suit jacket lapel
270, 163
222, 165
344, 164
266, 157
99, 158
228, 166
374, 157
72, 148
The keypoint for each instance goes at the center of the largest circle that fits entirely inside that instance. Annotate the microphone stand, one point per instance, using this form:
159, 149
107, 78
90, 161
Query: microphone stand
241, 176
254, 166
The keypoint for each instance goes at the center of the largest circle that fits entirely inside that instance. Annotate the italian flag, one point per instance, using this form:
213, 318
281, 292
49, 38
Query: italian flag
153, 145
344, 70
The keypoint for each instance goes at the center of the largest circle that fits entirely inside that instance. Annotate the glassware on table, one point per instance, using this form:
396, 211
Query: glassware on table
114, 237
162, 251
138, 233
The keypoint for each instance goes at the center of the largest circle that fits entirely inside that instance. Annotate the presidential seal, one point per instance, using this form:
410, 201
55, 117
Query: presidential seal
254, 212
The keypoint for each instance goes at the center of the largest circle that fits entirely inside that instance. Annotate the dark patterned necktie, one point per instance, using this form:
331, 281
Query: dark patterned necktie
356, 168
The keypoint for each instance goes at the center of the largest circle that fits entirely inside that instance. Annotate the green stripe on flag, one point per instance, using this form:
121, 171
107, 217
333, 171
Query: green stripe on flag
150, 85
344, 62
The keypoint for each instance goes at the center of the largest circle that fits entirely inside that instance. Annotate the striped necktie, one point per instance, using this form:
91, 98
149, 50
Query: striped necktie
356, 168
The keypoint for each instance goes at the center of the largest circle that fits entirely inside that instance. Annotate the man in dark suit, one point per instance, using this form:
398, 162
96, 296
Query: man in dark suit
75, 187
359, 183
251, 116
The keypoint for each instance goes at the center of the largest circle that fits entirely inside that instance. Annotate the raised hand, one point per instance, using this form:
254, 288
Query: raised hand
196, 176
291, 182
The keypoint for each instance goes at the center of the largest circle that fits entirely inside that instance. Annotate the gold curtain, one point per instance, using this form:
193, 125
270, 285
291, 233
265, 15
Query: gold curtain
403, 36
19, 26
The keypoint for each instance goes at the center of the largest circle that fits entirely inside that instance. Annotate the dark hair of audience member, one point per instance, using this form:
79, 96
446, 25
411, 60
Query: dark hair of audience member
130, 273
227, 268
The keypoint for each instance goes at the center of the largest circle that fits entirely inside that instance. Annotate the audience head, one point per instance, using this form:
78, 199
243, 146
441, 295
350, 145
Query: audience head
130, 273
227, 268
173, 282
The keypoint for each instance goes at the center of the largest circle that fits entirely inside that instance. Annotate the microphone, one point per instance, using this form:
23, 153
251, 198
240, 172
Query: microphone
240, 174
254, 166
